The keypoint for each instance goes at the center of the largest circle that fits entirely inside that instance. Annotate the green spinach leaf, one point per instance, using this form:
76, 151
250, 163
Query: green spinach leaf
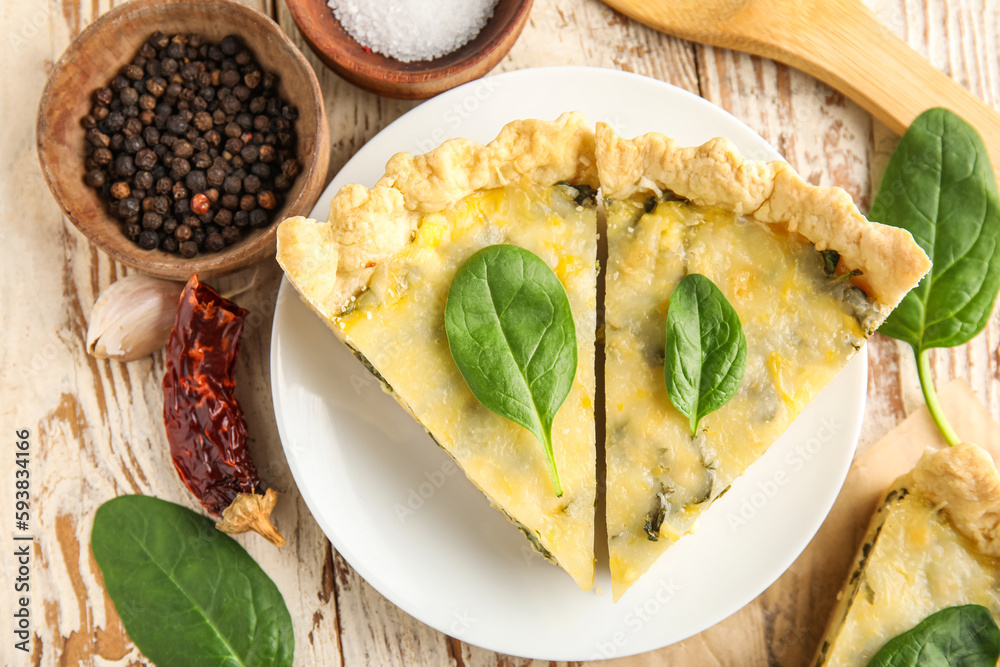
966, 636
939, 186
187, 594
706, 353
512, 335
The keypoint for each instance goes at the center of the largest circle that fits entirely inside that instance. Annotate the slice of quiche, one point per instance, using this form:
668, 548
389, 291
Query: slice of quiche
933, 543
809, 277
379, 270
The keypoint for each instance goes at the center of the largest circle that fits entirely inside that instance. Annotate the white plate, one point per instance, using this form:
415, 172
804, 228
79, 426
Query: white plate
411, 524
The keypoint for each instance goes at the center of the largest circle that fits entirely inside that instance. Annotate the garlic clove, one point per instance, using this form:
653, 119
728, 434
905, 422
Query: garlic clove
132, 318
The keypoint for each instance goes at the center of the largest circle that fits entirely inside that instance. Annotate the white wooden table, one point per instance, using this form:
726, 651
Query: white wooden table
96, 427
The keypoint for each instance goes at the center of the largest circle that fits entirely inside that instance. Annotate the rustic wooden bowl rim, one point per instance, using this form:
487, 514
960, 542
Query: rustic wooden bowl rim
333, 43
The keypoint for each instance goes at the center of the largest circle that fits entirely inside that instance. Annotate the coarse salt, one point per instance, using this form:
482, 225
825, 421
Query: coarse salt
410, 30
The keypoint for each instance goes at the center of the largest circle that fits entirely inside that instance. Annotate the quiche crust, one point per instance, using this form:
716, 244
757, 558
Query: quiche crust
964, 482
367, 226
716, 174
932, 543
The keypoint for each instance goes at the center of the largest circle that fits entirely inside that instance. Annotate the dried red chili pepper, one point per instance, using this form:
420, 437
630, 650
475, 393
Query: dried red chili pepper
205, 425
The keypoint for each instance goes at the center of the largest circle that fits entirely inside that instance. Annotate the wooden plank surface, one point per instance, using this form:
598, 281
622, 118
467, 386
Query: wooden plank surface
96, 426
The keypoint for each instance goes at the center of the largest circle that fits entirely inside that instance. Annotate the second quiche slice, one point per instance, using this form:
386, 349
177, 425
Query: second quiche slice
809, 277
379, 270
933, 543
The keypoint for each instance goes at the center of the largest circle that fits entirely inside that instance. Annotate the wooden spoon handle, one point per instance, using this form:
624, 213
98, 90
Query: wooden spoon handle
839, 42
848, 48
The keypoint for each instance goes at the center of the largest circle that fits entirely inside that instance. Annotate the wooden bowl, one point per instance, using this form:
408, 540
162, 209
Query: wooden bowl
99, 53
415, 80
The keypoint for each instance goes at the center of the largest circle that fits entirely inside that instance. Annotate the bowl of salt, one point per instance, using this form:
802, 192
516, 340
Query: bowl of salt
410, 49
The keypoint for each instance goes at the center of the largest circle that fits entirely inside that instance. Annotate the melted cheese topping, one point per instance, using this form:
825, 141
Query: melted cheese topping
913, 564
397, 324
801, 326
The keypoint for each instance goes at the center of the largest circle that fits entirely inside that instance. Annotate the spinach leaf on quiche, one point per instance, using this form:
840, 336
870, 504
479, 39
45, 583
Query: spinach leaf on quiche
511, 333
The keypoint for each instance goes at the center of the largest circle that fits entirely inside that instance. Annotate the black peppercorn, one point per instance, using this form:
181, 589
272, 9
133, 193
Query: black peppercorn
124, 166
258, 217
179, 191
143, 180
214, 242
188, 249
98, 138
95, 178
231, 202
203, 121
248, 202
260, 170
102, 156
134, 143
132, 230
196, 181
177, 125
230, 105
129, 96
103, 96
145, 159
267, 200
169, 244
160, 204
241, 218
128, 207
175, 51
230, 235
232, 185
151, 220
158, 40
201, 161
148, 239
183, 149
132, 125
179, 168
250, 153
267, 153
223, 218
216, 175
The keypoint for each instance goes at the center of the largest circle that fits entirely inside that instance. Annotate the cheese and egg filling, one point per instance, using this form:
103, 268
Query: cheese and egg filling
803, 321
397, 325
913, 564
